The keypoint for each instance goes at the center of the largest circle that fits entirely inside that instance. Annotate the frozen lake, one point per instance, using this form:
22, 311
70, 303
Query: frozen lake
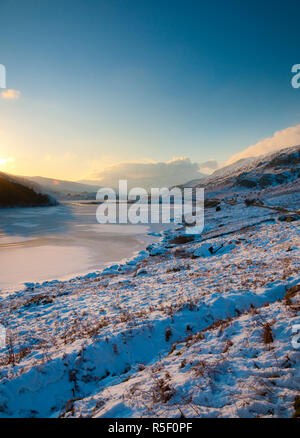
61, 242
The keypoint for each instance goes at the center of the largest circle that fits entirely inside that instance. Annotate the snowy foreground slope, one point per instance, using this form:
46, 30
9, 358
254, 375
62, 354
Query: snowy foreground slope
197, 328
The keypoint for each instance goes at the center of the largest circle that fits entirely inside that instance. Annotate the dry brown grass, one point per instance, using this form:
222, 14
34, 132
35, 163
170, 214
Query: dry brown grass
82, 329
200, 368
228, 344
175, 269
13, 358
162, 391
291, 293
268, 337
38, 300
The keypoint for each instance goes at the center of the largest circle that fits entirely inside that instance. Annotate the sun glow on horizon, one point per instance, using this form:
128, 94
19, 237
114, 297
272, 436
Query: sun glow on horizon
5, 161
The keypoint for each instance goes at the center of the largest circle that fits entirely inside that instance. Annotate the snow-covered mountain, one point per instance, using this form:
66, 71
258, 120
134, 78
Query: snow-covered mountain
254, 173
265, 171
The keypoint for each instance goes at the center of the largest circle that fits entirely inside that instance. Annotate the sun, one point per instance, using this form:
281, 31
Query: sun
5, 161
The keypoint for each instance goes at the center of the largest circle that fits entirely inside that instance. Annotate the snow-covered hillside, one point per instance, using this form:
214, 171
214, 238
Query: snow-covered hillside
191, 327
267, 170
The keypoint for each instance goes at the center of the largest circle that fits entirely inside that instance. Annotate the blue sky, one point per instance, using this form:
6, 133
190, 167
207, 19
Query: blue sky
103, 82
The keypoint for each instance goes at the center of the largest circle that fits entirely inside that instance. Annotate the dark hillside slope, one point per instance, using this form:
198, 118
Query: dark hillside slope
15, 194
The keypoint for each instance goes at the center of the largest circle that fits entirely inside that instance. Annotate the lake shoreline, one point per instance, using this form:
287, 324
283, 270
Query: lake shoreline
62, 243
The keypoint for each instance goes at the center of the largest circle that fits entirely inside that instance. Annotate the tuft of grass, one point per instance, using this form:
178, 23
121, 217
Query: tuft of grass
175, 269
183, 363
168, 334
38, 299
162, 391
291, 293
200, 368
69, 407
268, 337
228, 344
11, 349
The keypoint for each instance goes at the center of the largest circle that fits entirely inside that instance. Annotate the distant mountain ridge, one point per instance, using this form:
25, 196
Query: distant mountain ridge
254, 173
63, 189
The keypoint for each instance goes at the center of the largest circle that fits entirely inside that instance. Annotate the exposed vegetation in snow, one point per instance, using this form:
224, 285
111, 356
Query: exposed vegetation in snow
190, 327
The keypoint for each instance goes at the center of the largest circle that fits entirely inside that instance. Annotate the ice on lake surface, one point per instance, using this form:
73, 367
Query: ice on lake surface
47, 243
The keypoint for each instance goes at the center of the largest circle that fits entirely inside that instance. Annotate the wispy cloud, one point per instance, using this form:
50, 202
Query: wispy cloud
10, 94
281, 139
150, 173
208, 166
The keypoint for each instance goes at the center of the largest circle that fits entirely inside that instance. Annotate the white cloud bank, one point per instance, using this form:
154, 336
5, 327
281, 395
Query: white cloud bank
149, 174
281, 139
